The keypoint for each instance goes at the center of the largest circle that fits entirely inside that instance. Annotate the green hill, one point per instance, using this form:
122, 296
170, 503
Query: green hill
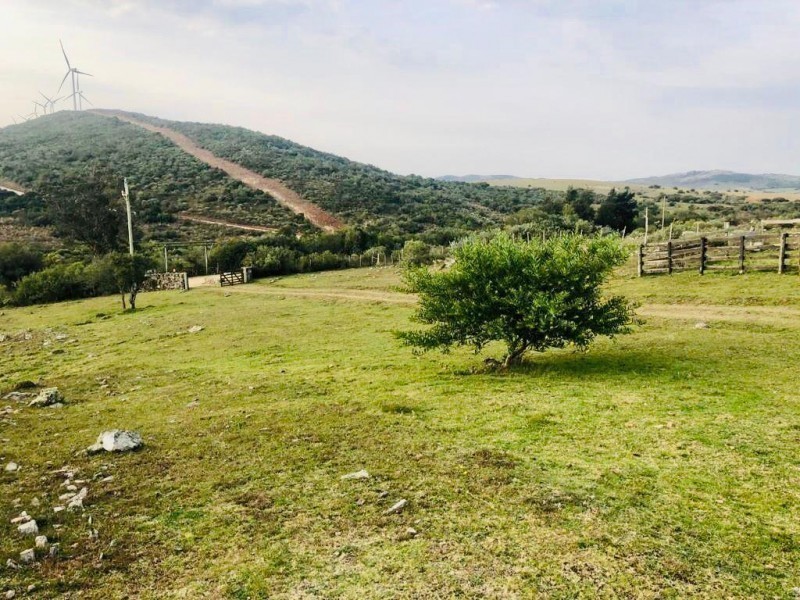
169, 182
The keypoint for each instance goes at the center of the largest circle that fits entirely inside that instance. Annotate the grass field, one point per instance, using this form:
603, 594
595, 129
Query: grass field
664, 464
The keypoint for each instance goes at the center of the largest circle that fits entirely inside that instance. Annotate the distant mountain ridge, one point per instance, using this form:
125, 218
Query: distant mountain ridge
474, 178
719, 179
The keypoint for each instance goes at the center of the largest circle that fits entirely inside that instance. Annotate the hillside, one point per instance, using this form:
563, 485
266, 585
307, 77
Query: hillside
359, 194
165, 180
724, 180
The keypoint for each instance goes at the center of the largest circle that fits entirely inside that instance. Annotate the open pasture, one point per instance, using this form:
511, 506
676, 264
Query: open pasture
663, 464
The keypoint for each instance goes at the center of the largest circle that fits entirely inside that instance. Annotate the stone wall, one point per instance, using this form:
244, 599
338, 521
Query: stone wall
165, 281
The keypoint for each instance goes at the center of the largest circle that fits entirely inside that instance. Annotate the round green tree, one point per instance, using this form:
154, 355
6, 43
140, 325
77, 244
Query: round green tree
532, 295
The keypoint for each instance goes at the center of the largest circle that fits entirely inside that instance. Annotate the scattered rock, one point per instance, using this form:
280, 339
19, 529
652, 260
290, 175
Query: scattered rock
12, 467
195, 329
11, 564
193, 404
107, 479
54, 550
396, 508
16, 396
10, 594
31, 588
701, 325
77, 500
362, 474
47, 397
22, 518
41, 541
411, 532
116, 440
58, 509
35, 502
27, 556
29, 528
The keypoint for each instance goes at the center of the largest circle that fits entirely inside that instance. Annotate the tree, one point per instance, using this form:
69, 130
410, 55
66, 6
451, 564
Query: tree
582, 203
86, 207
128, 273
618, 210
16, 261
531, 295
416, 252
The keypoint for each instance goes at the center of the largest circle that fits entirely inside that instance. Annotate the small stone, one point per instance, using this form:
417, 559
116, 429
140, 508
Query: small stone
193, 404
10, 594
12, 467
396, 508
27, 556
31, 588
411, 531
35, 502
72, 488
77, 500
47, 397
41, 541
58, 509
22, 518
362, 474
107, 479
29, 528
11, 564
195, 329
64, 497
701, 325
54, 550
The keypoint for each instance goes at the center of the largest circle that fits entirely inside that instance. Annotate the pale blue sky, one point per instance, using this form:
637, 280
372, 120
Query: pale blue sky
541, 88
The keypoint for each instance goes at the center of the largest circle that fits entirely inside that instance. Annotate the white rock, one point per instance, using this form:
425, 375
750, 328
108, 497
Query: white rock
58, 509
11, 467
72, 488
27, 556
10, 594
195, 329
397, 507
35, 502
22, 518
66, 496
701, 325
108, 479
41, 541
116, 440
77, 500
29, 528
47, 397
362, 474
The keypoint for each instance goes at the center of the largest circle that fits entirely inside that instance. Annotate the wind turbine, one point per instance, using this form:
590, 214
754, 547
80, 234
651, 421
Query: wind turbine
75, 75
37, 106
51, 102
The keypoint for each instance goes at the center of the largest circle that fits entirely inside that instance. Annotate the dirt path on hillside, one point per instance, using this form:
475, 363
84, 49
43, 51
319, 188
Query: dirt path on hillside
220, 222
327, 293
285, 196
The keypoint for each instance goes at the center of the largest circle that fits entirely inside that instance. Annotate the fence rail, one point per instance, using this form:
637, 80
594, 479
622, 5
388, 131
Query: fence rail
754, 252
232, 278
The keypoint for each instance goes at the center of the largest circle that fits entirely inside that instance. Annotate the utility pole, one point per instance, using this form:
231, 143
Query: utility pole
126, 195
663, 209
646, 223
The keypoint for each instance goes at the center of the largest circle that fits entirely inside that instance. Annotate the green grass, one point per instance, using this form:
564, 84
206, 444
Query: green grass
664, 464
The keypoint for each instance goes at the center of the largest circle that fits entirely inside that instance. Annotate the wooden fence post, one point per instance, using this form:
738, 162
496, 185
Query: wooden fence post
703, 254
640, 262
782, 253
669, 257
741, 255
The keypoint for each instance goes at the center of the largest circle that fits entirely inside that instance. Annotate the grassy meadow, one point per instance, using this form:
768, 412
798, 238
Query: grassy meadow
662, 464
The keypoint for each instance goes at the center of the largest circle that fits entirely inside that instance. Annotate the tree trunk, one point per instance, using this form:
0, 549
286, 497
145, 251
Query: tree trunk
122, 295
514, 356
134, 291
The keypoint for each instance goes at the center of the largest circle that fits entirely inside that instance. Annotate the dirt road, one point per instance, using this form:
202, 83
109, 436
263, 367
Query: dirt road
285, 196
210, 221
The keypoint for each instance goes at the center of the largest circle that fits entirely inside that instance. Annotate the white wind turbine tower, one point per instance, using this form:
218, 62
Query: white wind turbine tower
50, 102
75, 74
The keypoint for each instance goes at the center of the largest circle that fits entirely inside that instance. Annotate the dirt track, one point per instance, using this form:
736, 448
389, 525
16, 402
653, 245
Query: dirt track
210, 221
285, 196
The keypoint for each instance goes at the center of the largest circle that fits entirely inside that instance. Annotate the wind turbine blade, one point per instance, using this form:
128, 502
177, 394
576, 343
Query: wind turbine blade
82, 73
45, 97
85, 98
64, 52
63, 80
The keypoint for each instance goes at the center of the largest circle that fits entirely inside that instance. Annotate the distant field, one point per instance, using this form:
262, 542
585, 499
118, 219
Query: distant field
665, 464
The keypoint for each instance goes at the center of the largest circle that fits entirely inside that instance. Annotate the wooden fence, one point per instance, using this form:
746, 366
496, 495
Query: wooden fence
757, 252
232, 278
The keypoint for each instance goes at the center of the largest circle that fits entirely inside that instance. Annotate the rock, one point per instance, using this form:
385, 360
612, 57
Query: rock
10, 564
47, 397
58, 509
411, 531
72, 488
54, 550
108, 479
77, 500
29, 528
16, 396
195, 329
22, 518
11, 467
701, 325
35, 502
116, 440
10, 594
193, 404
31, 588
362, 474
41, 541
27, 556
396, 508
66, 496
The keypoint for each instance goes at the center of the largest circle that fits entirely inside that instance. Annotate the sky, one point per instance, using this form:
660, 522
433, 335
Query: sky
600, 89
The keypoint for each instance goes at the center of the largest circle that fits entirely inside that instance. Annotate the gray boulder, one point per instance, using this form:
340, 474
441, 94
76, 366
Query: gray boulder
116, 440
47, 397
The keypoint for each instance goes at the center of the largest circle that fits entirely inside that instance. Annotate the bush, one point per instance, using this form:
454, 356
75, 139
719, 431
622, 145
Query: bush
267, 260
531, 295
17, 261
416, 253
60, 282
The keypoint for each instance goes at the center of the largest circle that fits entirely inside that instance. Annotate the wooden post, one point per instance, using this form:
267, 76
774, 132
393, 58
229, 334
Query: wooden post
646, 222
782, 254
205, 254
640, 262
703, 254
166, 262
741, 254
669, 257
